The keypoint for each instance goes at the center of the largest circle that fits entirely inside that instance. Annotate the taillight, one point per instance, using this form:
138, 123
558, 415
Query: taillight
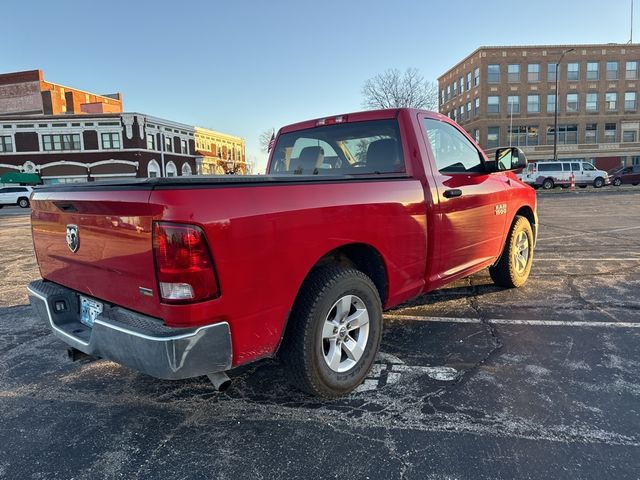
183, 263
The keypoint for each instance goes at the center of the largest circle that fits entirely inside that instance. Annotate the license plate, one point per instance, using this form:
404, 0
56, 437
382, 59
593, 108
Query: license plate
89, 310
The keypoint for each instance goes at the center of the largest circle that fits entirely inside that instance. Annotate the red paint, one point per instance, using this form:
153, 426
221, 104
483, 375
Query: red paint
264, 239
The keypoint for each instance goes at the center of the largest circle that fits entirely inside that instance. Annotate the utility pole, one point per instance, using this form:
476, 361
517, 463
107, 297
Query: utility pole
555, 123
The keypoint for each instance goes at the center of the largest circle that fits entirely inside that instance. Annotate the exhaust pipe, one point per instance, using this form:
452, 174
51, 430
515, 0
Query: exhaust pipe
220, 380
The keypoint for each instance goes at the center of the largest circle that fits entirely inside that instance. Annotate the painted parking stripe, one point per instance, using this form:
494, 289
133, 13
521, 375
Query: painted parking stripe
504, 321
572, 234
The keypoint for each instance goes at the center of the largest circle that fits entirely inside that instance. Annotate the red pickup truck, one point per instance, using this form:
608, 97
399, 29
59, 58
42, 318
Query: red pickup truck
181, 277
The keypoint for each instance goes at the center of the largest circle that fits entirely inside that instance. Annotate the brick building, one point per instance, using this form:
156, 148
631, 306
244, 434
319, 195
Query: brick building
506, 96
221, 153
87, 147
28, 93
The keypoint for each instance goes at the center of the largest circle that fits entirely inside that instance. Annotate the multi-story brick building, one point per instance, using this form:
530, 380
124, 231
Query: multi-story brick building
28, 93
88, 147
507, 96
221, 153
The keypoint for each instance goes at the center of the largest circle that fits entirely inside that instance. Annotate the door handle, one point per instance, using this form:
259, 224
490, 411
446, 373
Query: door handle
456, 192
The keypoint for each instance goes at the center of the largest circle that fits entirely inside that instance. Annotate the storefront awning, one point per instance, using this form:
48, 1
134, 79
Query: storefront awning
17, 177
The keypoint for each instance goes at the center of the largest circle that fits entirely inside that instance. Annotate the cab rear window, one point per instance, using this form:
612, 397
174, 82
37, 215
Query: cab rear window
371, 147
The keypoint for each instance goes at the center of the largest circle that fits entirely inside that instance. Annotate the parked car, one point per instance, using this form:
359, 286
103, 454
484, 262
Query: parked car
553, 174
626, 175
358, 213
15, 196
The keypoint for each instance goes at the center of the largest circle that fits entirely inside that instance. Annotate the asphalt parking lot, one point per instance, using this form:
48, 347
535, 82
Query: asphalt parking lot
473, 382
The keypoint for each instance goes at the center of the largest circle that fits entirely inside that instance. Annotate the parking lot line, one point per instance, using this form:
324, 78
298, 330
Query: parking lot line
505, 321
600, 232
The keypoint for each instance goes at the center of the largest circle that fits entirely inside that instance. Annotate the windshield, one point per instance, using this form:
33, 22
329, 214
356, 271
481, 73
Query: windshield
344, 148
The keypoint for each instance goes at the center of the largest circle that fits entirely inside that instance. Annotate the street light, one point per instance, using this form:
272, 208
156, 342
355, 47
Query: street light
555, 123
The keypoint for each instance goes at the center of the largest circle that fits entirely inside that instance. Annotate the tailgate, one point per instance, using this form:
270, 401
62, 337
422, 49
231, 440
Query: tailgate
98, 243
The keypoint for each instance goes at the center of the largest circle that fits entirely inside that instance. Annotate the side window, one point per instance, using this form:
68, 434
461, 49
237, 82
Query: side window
566, 167
453, 152
589, 167
575, 167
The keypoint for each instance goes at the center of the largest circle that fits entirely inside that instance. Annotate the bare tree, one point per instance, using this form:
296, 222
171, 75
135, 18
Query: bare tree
394, 89
265, 138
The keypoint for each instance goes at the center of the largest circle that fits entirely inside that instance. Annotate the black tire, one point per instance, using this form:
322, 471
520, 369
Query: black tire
598, 182
617, 182
302, 350
548, 184
634, 184
23, 202
505, 273
582, 186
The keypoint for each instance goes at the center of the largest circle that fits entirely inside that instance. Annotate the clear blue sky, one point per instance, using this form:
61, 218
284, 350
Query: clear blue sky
244, 66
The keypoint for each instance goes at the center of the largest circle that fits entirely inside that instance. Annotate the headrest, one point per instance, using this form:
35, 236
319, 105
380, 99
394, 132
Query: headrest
382, 155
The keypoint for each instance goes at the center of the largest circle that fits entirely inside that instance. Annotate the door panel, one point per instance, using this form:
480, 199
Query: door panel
471, 211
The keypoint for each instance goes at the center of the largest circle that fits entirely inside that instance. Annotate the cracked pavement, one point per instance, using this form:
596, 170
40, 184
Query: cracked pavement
518, 399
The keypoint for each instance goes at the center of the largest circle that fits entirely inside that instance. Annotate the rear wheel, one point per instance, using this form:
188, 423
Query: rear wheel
23, 202
617, 182
514, 265
582, 186
548, 184
334, 332
598, 182
634, 184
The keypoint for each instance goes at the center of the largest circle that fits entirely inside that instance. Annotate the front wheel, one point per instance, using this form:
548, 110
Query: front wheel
23, 203
548, 184
334, 332
598, 182
514, 266
617, 182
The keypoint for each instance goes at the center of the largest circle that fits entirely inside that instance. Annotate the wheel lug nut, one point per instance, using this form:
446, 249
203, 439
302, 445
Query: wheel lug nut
335, 329
348, 325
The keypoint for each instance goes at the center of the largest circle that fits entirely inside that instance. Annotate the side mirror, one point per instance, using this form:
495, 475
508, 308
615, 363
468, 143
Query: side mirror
509, 158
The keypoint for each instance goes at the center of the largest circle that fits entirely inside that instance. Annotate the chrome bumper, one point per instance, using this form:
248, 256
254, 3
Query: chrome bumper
132, 339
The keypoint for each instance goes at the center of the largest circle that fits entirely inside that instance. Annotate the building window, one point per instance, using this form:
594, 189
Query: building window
61, 142
493, 73
476, 135
551, 72
184, 148
153, 169
631, 72
468, 110
455, 89
591, 133
476, 77
110, 141
610, 133
151, 141
448, 93
593, 71
533, 72
629, 136
611, 101
469, 81
630, 100
513, 73
533, 103
493, 104
513, 104
493, 137
523, 136
441, 100
592, 102
461, 84
6, 143
168, 144
186, 169
612, 70
476, 107
551, 103
567, 135
233, 152
171, 169
573, 72
572, 102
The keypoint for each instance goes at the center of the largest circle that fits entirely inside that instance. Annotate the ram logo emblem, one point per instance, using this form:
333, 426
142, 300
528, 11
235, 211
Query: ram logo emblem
73, 238
501, 209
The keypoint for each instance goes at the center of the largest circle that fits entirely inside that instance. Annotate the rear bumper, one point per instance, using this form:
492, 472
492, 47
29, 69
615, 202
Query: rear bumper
132, 339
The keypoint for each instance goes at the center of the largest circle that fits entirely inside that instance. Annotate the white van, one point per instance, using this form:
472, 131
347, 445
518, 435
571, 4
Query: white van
552, 174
